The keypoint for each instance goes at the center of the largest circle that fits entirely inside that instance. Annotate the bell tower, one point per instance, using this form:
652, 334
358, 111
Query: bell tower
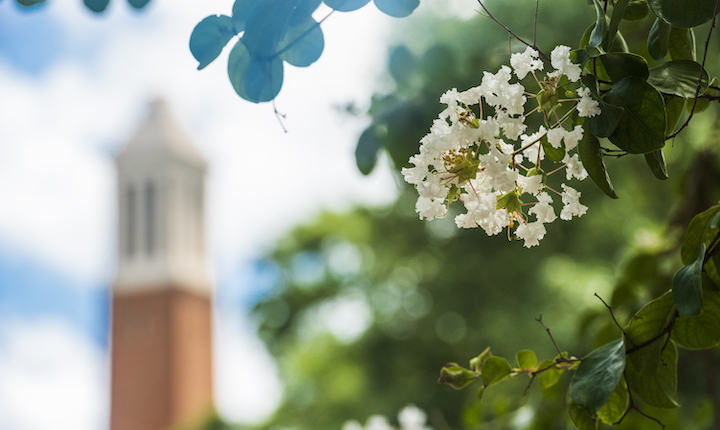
161, 296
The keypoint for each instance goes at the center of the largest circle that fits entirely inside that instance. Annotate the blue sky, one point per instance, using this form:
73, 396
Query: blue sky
73, 89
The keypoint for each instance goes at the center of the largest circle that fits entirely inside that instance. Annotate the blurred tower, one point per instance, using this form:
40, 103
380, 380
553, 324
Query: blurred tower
161, 297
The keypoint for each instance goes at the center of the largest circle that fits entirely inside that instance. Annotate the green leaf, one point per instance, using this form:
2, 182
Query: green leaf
674, 108
659, 390
401, 64
138, 4
703, 104
617, 15
256, 80
591, 156
241, 12
681, 13
580, 418
658, 165
554, 154
477, 362
619, 65
303, 43
699, 231
641, 128
647, 324
617, 404
549, 377
636, 9
456, 376
96, 6
209, 38
682, 44
526, 359
397, 8
346, 5
598, 32
702, 331
687, 286
659, 39
604, 125
366, 152
494, 370
679, 78
597, 376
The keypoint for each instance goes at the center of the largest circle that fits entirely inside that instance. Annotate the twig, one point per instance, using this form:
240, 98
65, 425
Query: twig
611, 314
702, 69
280, 116
551, 336
511, 33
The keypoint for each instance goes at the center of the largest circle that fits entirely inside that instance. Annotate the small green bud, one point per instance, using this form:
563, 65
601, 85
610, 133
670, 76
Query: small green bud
510, 201
548, 99
456, 376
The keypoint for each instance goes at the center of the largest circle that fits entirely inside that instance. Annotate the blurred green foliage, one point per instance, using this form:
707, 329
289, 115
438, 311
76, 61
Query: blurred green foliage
372, 303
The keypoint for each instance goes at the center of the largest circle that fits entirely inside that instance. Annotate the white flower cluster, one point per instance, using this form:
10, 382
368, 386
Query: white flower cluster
410, 418
491, 163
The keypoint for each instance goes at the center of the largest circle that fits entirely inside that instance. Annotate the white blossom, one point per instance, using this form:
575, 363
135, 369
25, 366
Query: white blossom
526, 62
571, 204
531, 233
587, 106
560, 60
412, 418
378, 422
542, 210
574, 167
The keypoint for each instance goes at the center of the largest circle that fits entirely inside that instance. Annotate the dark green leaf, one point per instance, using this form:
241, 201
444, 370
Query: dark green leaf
597, 376
604, 125
29, 3
648, 324
96, 6
366, 152
526, 359
636, 9
659, 390
682, 13
554, 154
138, 4
658, 165
598, 32
703, 104
619, 65
240, 12
580, 418
702, 331
641, 128
679, 78
210, 37
617, 16
397, 8
255, 80
346, 5
494, 370
616, 405
699, 231
687, 286
673, 108
659, 39
591, 156
682, 44
303, 43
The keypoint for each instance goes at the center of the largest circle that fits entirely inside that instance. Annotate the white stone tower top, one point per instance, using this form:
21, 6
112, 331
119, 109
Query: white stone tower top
161, 180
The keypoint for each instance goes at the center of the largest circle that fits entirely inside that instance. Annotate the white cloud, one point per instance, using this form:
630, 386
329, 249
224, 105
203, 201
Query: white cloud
51, 378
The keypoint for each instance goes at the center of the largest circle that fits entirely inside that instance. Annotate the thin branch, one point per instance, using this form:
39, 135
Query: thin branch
702, 69
549, 334
535, 21
664, 331
611, 314
511, 33
280, 116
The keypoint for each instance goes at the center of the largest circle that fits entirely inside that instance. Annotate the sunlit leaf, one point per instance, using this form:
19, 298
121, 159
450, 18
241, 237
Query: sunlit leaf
659, 39
659, 390
658, 166
679, 77
701, 331
647, 324
682, 44
681, 13
346, 5
456, 376
494, 370
687, 286
526, 359
591, 156
642, 126
699, 231
366, 152
549, 377
598, 375
210, 37
617, 404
